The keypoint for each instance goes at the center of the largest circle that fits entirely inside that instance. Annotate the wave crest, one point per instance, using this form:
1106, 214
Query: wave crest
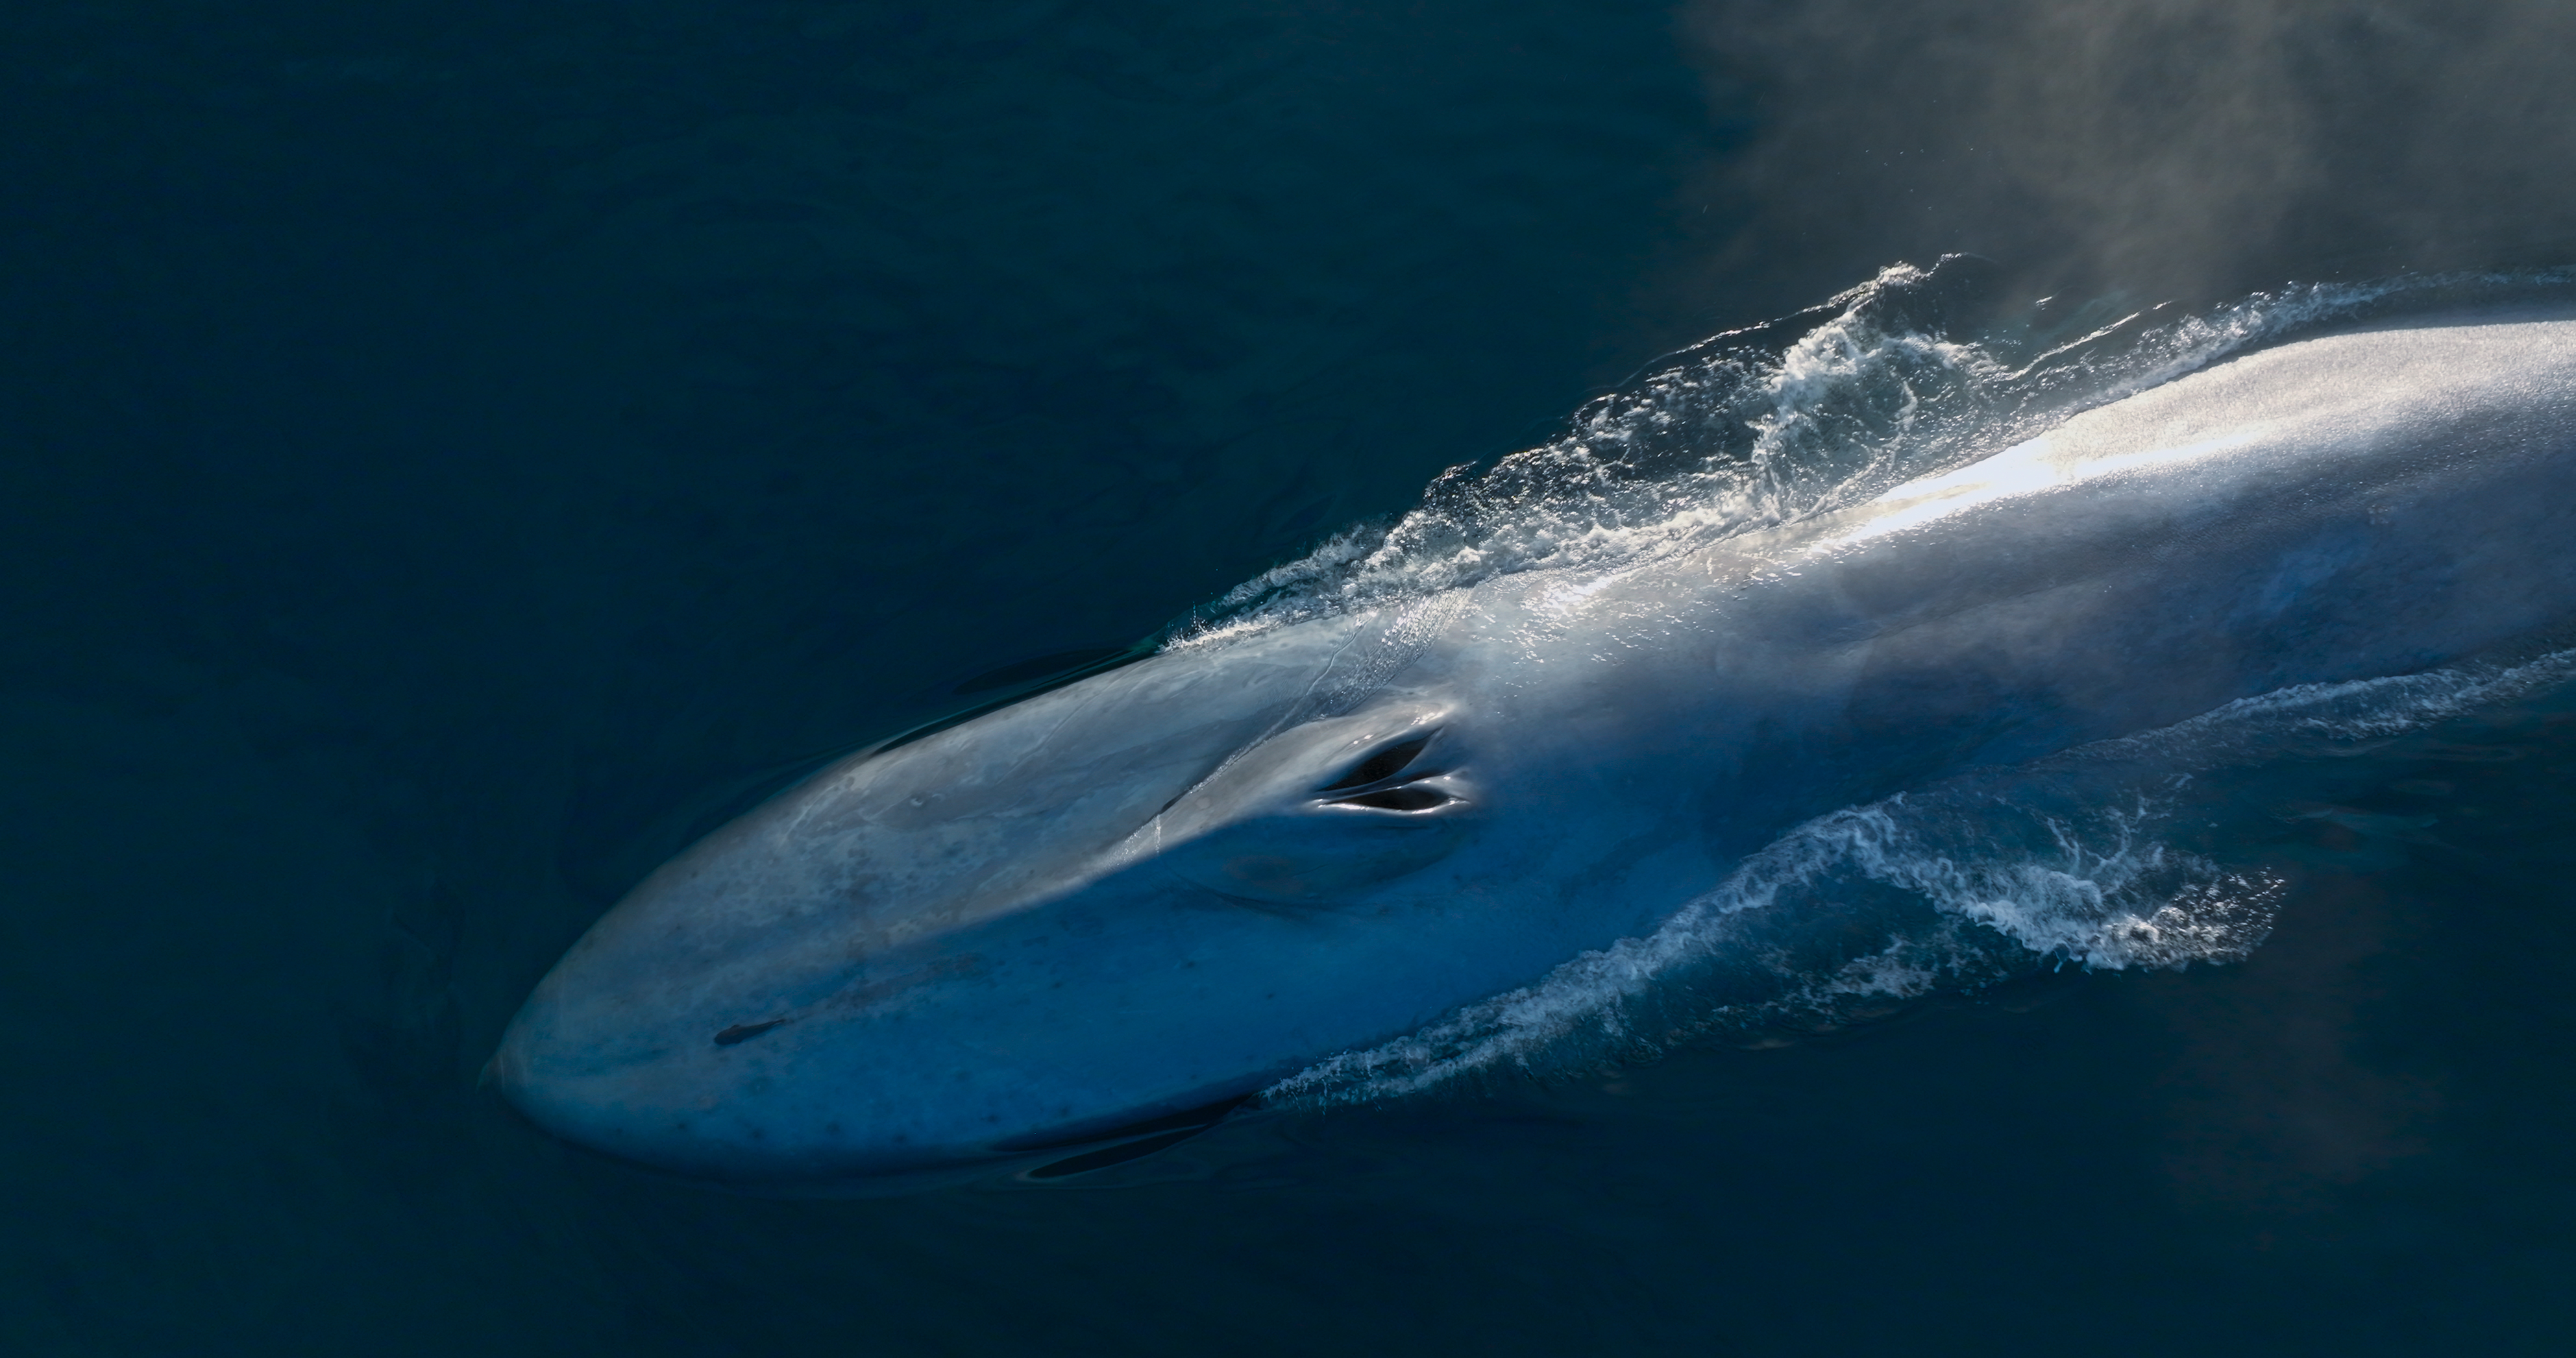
1981, 878
1801, 416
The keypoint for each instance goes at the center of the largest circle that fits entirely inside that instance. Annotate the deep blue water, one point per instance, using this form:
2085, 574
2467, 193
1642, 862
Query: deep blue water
453, 454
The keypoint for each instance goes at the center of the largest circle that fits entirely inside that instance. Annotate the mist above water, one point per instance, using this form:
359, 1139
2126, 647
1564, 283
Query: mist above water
2192, 148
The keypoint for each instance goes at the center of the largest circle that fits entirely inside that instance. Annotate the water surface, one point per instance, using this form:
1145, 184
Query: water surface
454, 454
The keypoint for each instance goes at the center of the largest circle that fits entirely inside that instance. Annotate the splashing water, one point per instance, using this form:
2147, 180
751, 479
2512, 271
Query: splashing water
1755, 428
1948, 888
1974, 880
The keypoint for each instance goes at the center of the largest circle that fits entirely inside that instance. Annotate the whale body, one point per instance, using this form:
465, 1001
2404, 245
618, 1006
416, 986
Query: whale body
1101, 916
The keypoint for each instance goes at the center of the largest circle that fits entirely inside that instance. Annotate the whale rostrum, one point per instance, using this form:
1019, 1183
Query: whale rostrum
1091, 922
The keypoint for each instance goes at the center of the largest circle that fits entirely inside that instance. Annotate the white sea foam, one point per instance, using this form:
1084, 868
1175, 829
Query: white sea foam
1947, 889
2068, 861
1943, 893
1739, 434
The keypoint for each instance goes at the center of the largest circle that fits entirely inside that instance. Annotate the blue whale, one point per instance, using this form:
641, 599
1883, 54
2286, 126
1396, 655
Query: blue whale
1086, 924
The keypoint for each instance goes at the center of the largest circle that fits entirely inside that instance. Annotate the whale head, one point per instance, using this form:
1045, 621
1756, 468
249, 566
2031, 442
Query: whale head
1095, 919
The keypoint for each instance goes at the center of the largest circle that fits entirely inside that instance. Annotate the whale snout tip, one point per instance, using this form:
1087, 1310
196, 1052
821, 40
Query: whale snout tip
557, 1079
503, 1081
509, 1075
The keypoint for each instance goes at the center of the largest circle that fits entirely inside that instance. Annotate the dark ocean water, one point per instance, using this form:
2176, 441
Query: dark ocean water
453, 455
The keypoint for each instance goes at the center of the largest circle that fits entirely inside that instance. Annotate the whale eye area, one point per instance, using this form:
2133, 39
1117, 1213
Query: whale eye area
1384, 764
744, 1032
1379, 782
1398, 799
1386, 807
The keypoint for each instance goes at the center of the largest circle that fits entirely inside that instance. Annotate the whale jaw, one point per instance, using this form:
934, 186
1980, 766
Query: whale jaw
867, 979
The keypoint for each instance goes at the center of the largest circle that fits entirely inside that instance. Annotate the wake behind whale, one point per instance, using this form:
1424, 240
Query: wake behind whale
1957, 887
1801, 676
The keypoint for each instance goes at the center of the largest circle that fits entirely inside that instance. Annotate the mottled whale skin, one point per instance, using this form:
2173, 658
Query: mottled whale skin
1170, 885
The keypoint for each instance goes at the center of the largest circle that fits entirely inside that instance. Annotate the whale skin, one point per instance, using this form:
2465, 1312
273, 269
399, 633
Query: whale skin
1097, 918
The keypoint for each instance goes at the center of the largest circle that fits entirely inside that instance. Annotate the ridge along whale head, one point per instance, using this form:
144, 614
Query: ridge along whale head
1103, 915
